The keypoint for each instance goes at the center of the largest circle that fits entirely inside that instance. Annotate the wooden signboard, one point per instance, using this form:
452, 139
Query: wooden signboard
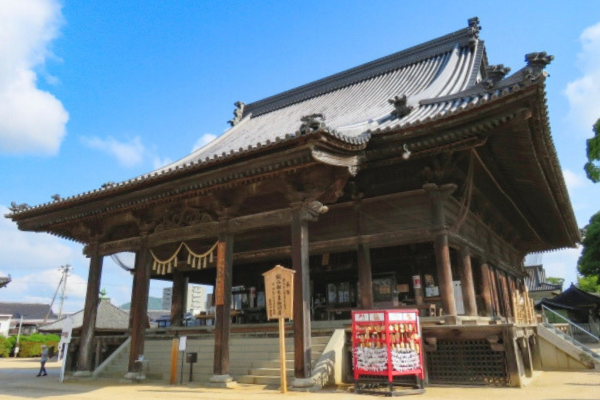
220, 285
279, 287
279, 290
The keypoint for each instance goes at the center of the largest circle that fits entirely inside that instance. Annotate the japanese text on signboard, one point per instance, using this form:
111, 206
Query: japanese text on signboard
279, 288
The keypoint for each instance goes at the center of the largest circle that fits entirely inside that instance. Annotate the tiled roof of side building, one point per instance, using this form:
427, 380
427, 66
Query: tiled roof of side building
109, 317
29, 311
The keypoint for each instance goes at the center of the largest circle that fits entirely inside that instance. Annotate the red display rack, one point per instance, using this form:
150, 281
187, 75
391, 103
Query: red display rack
386, 343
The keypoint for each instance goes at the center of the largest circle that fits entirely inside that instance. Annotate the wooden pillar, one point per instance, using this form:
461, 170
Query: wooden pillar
467, 282
302, 326
438, 194
223, 303
363, 256
365, 282
90, 311
133, 301
178, 295
486, 290
496, 304
139, 306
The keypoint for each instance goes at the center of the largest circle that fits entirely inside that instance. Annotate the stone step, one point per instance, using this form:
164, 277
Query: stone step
272, 364
269, 372
260, 380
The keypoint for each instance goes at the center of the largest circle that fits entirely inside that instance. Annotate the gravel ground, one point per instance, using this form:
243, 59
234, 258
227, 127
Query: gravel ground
18, 381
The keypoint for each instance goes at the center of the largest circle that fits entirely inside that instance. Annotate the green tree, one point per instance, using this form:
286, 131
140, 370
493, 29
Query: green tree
588, 284
589, 262
592, 167
555, 281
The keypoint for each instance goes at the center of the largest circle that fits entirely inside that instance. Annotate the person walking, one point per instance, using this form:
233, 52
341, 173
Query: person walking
43, 361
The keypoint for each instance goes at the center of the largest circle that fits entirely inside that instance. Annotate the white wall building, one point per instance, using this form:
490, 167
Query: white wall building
4, 324
195, 299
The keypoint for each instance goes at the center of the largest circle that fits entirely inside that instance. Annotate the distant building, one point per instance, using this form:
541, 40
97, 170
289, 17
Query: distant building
537, 285
4, 324
195, 301
33, 315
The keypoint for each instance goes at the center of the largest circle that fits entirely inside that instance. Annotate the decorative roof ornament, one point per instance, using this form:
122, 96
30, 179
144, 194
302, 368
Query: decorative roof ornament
107, 185
495, 73
312, 123
401, 109
14, 207
237, 113
475, 27
536, 62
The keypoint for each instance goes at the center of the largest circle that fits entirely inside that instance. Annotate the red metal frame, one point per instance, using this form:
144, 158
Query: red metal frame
387, 343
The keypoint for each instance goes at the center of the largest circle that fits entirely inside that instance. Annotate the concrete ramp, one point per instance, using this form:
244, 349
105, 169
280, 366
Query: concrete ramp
558, 351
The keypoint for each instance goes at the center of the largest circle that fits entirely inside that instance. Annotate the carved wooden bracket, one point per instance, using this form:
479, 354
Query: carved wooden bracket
311, 209
186, 217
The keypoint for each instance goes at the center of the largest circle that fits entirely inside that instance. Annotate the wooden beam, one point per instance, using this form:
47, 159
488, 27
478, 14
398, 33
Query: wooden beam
223, 300
90, 311
300, 264
513, 359
139, 307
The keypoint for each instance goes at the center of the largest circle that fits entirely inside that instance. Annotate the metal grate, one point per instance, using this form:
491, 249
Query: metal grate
468, 362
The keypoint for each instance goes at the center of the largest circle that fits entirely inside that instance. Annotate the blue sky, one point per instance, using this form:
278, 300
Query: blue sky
96, 91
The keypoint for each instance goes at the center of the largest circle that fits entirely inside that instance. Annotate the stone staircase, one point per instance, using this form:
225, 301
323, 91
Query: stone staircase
252, 360
266, 370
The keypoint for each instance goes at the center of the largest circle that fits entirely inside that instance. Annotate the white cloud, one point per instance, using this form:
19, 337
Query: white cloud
128, 154
161, 162
574, 180
203, 141
584, 93
33, 259
31, 120
562, 264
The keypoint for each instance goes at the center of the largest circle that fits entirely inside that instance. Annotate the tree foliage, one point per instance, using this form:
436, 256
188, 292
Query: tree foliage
555, 281
589, 262
592, 167
588, 284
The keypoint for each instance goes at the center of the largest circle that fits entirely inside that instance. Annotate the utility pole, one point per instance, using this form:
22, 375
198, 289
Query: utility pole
65, 271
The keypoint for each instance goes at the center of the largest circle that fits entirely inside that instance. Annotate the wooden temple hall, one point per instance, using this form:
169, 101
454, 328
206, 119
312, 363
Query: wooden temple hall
418, 180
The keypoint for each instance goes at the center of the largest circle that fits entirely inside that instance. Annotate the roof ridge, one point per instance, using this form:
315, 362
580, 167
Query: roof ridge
364, 71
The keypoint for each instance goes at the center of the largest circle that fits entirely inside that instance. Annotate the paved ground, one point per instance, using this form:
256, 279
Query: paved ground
18, 381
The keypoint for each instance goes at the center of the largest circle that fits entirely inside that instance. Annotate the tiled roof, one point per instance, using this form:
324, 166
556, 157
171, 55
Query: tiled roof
29, 311
109, 317
536, 279
432, 81
356, 102
353, 103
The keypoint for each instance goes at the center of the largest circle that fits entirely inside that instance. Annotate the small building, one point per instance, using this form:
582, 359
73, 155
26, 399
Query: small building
111, 325
5, 324
30, 315
537, 286
576, 305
